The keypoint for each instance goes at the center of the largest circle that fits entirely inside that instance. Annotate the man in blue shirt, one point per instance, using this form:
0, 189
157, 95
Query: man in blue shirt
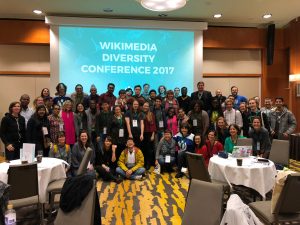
237, 98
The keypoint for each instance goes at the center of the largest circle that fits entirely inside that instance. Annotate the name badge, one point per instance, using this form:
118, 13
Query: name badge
121, 133
104, 130
61, 127
45, 131
195, 123
161, 124
258, 146
134, 123
168, 159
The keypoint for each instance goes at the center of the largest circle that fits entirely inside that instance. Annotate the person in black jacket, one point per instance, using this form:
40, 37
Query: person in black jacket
13, 131
38, 128
106, 163
203, 96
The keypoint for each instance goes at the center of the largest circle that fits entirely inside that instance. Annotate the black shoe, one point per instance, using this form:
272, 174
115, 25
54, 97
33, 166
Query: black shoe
118, 180
179, 175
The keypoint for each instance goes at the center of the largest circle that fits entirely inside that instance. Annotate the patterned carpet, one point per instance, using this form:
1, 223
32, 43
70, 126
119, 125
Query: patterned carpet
160, 199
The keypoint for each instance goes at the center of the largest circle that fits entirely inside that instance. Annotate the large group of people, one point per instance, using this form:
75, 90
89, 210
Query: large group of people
141, 127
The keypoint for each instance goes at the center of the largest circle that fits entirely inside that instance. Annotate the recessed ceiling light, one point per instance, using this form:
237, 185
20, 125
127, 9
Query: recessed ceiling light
108, 10
37, 11
217, 16
267, 16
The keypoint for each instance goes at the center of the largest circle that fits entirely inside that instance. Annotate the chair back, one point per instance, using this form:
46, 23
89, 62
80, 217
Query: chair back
81, 215
196, 167
280, 152
85, 161
23, 180
244, 142
204, 204
289, 199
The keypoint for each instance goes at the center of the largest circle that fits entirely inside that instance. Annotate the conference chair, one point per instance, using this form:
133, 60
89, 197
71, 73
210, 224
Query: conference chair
280, 152
84, 215
204, 204
24, 187
55, 187
287, 209
197, 170
244, 142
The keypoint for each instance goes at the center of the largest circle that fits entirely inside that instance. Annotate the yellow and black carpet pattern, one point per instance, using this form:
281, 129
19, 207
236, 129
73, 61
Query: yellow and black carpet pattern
157, 200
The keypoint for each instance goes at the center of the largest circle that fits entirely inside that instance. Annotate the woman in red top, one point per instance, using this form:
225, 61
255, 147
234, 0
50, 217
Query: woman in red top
200, 148
211, 147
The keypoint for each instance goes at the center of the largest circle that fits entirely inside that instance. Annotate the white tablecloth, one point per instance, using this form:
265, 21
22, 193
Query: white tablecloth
258, 176
49, 169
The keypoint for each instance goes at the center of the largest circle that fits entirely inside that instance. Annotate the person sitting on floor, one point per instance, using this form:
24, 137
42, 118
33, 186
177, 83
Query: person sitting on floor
165, 152
131, 162
106, 163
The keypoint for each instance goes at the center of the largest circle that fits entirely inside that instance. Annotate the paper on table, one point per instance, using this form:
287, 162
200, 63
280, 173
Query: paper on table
27, 152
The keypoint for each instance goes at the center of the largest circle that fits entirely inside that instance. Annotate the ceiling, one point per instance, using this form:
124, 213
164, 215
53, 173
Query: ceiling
239, 13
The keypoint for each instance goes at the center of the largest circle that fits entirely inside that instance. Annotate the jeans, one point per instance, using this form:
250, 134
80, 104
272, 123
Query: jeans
162, 162
139, 171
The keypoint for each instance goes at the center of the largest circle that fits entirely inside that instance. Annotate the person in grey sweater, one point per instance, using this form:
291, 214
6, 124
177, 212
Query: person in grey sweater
165, 151
261, 144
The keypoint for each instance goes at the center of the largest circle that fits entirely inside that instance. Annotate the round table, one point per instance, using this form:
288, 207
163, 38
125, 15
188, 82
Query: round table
49, 169
253, 174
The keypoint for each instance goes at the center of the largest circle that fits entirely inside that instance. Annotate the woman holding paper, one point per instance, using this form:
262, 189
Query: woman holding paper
38, 128
78, 151
13, 131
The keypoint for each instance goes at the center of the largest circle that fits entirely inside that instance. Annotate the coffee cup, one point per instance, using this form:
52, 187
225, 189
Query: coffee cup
239, 162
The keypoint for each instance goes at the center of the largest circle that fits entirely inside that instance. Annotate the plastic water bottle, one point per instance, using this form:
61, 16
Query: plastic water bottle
10, 216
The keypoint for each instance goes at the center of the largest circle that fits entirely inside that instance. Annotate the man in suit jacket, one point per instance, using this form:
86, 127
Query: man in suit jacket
203, 96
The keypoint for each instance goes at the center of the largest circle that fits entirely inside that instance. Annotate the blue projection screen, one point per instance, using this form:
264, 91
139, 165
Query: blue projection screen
125, 57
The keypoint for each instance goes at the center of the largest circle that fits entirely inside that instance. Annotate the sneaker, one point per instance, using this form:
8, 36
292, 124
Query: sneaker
179, 175
138, 177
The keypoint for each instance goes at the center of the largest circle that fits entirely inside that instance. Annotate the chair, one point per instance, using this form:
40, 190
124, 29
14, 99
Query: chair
24, 188
197, 170
287, 208
204, 204
84, 215
244, 142
280, 152
55, 187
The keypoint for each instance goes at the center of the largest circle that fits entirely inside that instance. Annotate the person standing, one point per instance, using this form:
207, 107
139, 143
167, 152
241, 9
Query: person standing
184, 100
203, 96
283, 121
56, 123
109, 96
78, 96
26, 111
237, 98
38, 129
12, 131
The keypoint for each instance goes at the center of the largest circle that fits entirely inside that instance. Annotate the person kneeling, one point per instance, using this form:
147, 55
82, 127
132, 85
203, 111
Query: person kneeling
131, 162
165, 152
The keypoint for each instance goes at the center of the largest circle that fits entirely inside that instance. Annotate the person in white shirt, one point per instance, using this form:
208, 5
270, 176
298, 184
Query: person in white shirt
231, 115
26, 111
